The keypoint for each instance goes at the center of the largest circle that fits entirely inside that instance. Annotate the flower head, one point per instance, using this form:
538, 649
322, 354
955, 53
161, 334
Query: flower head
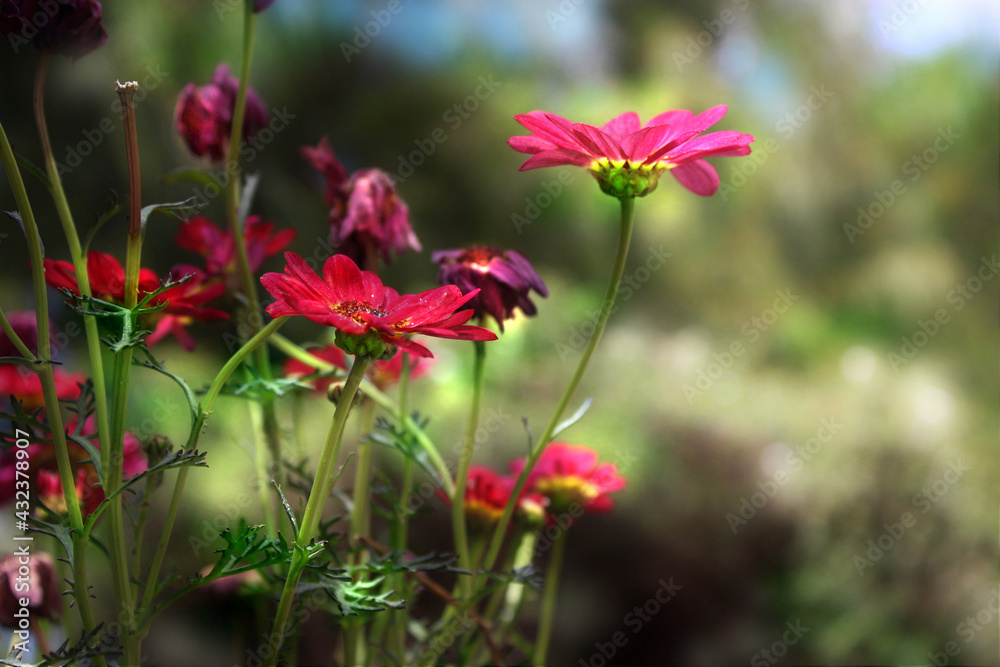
569, 474
202, 236
628, 158
261, 5
25, 325
70, 27
184, 303
504, 278
367, 217
368, 316
41, 587
204, 114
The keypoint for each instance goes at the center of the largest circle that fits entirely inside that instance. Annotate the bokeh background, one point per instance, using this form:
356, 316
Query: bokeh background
852, 259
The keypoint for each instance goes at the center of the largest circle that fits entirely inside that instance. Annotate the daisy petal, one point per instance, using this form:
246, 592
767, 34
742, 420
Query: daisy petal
698, 176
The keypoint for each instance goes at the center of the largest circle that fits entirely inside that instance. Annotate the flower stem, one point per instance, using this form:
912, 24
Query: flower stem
152, 578
268, 417
122, 378
386, 403
79, 261
354, 628
624, 237
458, 523
322, 485
402, 521
81, 592
549, 594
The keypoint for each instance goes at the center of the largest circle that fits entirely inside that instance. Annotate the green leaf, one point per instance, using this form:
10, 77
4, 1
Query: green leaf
35, 171
155, 365
175, 459
395, 437
577, 416
288, 508
196, 176
171, 209
16, 217
114, 207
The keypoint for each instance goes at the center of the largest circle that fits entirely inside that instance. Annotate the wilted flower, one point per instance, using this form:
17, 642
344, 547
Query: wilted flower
70, 27
204, 114
504, 278
202, 236
368, 316
627, 158
569, 475
367, 217
184, 302
42, 590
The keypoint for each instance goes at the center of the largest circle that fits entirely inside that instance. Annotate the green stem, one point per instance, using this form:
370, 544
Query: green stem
549, 595
12, 336
624, 237
81, 592
322, 485
79, 262
386, 403
458, 523
354, 628
401, 521
268, 417
122, 379
205, 409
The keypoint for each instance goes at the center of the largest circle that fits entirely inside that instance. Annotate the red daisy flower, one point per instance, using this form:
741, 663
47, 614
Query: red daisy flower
504, 278
628, 158
569, 474
357, 304
184, 302
367, 217
204, 114
486, 495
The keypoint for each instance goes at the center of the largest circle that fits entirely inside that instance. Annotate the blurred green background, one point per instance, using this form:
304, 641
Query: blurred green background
850, 260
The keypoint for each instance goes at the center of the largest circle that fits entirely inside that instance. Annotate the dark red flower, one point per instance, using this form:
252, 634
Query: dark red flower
70, 27
25, 325
184, 303
569, 475
26, 387
504, 278
202, 236
367, 217
41, 587
628, 158
357, 304
204, 114
261, 5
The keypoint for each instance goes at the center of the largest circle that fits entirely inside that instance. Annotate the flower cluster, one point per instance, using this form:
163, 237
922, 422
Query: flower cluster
566, 480
628, 158
367, 217
182, 303
204, 114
